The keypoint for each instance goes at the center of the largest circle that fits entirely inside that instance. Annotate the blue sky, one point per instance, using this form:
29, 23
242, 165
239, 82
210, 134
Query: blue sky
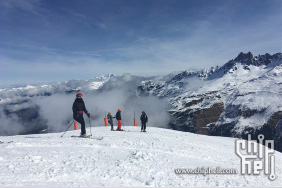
58, 40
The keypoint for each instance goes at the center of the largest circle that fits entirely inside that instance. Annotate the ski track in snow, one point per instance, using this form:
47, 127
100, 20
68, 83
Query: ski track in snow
122, 159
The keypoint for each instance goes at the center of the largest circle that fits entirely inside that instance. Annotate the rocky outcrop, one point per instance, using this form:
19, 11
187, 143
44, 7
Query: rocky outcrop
244, 58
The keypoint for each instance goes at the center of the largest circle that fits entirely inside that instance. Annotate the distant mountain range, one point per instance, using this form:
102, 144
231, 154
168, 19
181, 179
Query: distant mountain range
241, 97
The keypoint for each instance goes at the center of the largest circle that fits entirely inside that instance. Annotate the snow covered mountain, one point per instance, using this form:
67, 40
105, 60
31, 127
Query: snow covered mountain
21, 93
241, 97
127, 159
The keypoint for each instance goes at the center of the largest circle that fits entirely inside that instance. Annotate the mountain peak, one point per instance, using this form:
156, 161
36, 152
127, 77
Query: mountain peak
244, 58
249, 59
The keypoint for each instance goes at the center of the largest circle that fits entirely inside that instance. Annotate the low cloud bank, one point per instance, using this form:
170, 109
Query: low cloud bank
54, 112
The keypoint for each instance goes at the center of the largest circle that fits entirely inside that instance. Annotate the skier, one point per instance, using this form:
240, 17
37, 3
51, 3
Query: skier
78, 108
144, 120
118, 118
110, 120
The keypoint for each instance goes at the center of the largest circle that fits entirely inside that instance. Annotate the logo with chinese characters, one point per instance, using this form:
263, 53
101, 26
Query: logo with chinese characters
255, 157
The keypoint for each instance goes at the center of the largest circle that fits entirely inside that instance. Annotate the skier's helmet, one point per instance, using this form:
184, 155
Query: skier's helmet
79, 95
119, 110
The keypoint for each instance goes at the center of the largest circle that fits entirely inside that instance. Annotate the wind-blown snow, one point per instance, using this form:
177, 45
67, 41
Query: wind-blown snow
122, 159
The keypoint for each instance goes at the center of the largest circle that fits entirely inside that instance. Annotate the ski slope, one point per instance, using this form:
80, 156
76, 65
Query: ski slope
123, 159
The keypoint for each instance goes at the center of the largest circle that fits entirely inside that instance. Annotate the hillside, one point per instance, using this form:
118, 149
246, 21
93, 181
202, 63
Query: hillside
123, 159
239, 98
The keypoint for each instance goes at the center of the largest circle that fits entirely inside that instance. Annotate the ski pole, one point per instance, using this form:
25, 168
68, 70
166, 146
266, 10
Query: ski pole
123, 125
90, 127
67, 128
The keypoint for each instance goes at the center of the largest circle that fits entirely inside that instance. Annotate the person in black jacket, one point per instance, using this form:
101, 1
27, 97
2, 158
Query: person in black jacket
78, 108
144, 120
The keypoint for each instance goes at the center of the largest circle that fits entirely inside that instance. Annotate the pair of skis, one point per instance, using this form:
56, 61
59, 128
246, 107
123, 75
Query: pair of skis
88, 136
121, 130
6, 142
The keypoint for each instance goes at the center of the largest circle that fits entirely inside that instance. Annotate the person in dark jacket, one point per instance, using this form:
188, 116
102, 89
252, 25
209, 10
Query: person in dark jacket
118, 117
110, 120
144, 120
78, 108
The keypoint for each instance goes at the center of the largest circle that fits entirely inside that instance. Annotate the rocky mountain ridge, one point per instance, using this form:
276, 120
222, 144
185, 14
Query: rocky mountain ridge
239, 98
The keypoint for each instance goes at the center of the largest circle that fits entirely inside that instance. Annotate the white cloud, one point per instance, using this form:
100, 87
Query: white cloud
26, 5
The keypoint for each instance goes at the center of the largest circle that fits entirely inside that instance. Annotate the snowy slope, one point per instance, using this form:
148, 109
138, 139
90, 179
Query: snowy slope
122, 159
